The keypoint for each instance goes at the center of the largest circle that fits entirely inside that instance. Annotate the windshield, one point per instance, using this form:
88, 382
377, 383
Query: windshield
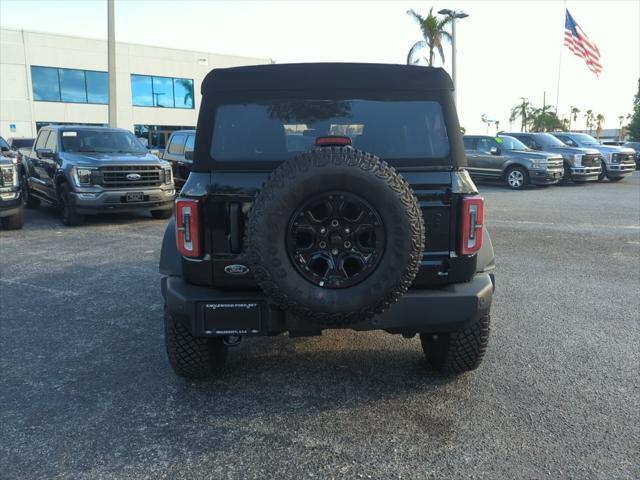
281, 129
4, 144
585, 140
101, 141
510, 143
548, 140
22, 142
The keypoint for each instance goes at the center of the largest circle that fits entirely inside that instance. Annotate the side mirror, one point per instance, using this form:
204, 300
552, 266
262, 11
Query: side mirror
44, 153
188, 155
495, 151
5, 149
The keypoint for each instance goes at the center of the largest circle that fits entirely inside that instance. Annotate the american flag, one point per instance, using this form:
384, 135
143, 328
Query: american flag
580, 45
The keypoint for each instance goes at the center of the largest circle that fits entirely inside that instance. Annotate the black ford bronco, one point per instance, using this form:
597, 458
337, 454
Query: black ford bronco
327, 196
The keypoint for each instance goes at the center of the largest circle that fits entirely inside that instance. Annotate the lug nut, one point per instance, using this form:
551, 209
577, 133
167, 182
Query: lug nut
334, 251
323, 231
323, 244
334, 223
347, 244
347, 230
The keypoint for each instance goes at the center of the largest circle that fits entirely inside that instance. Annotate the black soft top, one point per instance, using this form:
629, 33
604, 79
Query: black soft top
320, 76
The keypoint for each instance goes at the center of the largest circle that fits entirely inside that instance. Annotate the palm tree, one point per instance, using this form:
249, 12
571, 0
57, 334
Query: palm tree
433, 34
522, 110
574, 115
588, 116
599, 122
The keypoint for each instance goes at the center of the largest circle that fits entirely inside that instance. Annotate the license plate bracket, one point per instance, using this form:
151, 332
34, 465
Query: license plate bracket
132, 197
232, 318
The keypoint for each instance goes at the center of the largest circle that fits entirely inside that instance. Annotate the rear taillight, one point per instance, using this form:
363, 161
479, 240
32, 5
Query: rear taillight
471, 223
188, 227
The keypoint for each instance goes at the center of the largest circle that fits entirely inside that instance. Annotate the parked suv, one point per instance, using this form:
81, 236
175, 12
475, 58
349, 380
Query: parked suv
91, 170
617, 162
11, 214
508, 159
579, 164
312, 189
179, 152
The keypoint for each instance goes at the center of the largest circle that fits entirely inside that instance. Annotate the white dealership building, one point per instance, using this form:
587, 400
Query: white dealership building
49, 78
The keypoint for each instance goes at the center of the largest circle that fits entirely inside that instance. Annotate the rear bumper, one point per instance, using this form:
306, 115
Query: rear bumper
209, 312
104, 201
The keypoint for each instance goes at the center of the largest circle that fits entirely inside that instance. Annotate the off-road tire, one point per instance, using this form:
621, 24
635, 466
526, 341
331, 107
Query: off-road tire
614, 179
68, 213
13, 222
314, 173
161, 214
189, 356
457, 352
29, 200
525, 177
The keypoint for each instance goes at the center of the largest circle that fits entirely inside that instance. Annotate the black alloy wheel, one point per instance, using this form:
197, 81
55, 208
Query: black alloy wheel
335, 239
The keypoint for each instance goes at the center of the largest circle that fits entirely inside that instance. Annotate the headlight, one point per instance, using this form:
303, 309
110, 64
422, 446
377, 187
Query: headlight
539, 163
614, 157
577, 160
9, 176
83, 176
168, 175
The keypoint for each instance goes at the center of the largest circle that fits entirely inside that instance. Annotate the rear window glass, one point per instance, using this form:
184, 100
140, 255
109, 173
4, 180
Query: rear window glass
279, 130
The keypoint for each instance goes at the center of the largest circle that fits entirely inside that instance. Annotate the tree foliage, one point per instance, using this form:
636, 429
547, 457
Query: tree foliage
434, 33
633, 128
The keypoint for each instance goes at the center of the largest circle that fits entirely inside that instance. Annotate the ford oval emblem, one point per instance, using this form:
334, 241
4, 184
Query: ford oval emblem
134, 176
236, 269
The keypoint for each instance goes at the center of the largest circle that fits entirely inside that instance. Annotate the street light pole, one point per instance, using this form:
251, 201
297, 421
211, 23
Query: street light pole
453, 14
111, 54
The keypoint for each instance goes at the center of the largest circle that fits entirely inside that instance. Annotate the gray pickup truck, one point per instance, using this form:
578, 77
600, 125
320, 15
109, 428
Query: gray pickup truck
507, 159
580, 165
91, 170
11, 214
617, 162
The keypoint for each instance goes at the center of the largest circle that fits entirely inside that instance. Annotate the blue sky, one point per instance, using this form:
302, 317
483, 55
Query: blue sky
506, 49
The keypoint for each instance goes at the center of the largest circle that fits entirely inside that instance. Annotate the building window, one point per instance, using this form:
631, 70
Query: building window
97, 87
166, 92
46, 86
69, 85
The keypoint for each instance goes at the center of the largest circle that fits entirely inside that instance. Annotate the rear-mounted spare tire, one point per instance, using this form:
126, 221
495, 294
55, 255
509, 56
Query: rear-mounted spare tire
335, 236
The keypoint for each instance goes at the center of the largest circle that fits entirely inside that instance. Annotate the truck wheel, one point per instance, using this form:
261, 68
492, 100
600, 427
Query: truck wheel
189, 356
603, 172
29, 200
14, 222
161, 214
457, 352
335, 236
68, 213
517, 178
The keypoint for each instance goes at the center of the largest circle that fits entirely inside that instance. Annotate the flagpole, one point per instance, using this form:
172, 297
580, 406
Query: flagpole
564, 4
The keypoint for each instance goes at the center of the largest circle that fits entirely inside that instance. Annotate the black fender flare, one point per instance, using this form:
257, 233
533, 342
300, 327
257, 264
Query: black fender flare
170, 258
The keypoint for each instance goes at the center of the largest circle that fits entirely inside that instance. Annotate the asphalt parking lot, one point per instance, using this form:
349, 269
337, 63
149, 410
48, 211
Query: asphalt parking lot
86, 390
